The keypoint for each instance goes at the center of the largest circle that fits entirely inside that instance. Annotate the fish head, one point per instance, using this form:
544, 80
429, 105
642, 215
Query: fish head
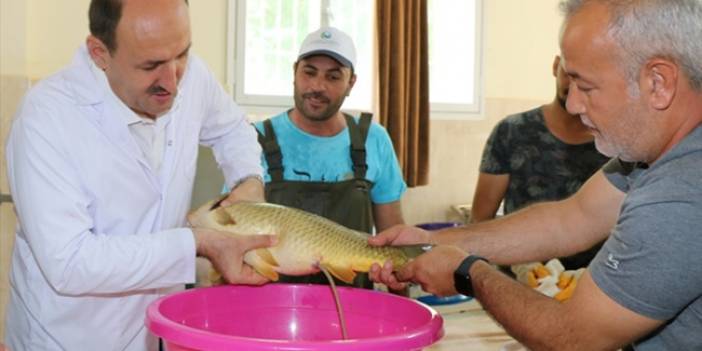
210, 215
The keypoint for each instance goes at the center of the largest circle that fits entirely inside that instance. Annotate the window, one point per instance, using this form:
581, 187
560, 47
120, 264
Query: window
454, 55
268, 34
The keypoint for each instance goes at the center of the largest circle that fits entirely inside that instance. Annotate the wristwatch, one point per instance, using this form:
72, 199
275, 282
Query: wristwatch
461, 277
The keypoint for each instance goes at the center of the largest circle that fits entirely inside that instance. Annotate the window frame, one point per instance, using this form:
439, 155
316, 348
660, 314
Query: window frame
266, 104
236, 63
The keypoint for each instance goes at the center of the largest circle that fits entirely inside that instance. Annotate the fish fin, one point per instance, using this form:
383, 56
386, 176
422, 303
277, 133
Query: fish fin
261, 260
222, 217
264, 263
345, 274
215, 278
363, 266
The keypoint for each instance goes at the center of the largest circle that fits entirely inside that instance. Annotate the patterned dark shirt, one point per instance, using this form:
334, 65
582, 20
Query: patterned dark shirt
540, 166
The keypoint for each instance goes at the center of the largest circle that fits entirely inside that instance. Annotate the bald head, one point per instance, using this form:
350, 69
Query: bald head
153, 23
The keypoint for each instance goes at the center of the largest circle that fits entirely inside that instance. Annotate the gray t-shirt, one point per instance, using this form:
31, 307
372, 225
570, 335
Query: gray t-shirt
652, 262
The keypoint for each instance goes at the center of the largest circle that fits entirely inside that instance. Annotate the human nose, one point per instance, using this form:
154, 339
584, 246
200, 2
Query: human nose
574, 103
169, 76
317, 84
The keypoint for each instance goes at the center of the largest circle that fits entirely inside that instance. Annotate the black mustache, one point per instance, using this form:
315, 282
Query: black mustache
157, 90
315, 95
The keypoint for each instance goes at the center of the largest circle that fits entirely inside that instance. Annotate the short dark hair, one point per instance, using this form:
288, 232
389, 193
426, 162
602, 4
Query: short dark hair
104, 15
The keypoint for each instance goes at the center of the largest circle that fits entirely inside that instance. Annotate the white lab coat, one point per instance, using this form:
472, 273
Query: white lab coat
100, 235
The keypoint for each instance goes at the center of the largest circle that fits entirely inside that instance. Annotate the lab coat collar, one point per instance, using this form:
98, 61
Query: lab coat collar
127, 114
130, 117
82, 79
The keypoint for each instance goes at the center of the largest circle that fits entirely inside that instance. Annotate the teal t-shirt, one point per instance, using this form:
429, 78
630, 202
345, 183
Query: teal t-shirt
308, 157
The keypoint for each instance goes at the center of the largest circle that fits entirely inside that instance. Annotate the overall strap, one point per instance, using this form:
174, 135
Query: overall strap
358, 134
271, 149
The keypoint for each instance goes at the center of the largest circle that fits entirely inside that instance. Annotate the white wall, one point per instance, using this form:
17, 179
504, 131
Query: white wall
12, 37
521, 40
55, 29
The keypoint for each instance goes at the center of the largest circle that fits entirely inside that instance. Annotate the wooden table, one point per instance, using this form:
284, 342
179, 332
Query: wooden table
468, 327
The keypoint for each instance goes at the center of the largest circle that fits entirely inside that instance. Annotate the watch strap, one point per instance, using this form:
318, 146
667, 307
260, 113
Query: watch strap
461, 276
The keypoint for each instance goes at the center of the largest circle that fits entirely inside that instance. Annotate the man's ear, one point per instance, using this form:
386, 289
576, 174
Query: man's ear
660, 80
554, 66
98, 51
352, 81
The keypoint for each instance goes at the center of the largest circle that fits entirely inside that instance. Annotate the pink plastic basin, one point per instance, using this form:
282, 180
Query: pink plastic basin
291, 317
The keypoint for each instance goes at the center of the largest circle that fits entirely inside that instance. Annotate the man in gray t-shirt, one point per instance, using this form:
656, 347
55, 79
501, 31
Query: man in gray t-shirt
652, 262
636, 83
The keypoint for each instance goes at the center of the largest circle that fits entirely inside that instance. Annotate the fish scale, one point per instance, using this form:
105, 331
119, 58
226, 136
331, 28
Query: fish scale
305, 241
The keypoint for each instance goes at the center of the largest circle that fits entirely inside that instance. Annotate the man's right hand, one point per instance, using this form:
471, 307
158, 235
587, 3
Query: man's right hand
401, 234
226, 252
396, 235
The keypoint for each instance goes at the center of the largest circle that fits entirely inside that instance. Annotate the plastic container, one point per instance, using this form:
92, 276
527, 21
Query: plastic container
433, 300
291, 317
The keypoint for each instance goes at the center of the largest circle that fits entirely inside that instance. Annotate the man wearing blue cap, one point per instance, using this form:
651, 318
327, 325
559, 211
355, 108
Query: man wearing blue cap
321, 160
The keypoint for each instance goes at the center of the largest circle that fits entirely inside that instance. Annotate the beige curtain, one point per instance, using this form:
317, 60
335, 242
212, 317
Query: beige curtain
403, 86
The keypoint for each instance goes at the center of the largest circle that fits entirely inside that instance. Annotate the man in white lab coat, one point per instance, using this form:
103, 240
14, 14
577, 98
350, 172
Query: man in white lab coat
101, 160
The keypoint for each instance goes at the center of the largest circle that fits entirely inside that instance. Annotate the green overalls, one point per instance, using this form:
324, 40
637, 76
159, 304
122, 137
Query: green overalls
346, 202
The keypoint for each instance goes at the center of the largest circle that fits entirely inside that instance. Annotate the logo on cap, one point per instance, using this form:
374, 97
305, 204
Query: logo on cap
331, 42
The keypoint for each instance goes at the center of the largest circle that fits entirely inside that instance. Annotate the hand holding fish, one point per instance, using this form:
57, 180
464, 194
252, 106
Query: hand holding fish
226, 252
249, 189
401, 234
434, 270
396, 235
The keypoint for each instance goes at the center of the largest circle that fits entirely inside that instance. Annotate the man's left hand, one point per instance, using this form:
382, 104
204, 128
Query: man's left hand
250, 189
434, 270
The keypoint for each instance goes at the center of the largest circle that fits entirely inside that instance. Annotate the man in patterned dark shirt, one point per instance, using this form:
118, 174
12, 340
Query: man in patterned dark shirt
542, 154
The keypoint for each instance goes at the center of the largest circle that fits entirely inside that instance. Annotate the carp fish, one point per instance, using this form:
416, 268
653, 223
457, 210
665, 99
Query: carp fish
306, 241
